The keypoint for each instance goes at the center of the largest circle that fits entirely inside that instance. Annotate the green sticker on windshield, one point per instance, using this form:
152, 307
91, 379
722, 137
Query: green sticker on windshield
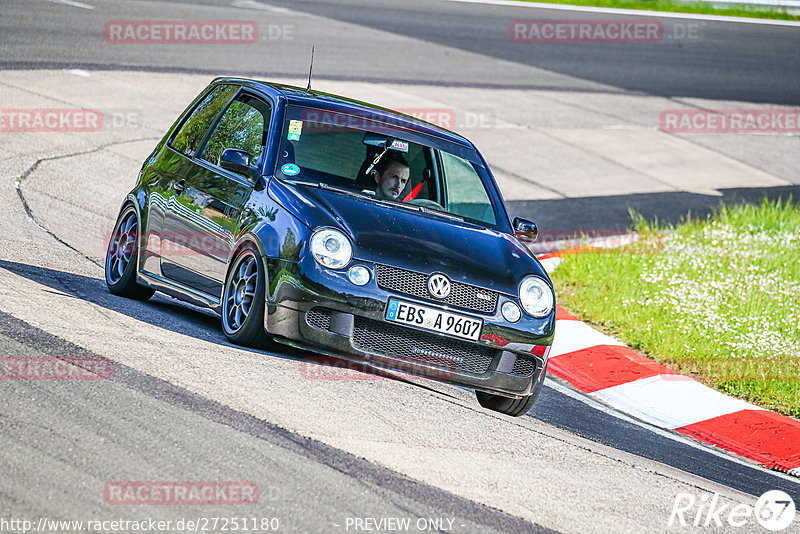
290, 169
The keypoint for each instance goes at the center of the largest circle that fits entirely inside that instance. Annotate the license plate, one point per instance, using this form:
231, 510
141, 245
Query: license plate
434, 320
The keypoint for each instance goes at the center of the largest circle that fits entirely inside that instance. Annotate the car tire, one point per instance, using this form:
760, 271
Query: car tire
243, 300
121, 258
508, 406
513, 407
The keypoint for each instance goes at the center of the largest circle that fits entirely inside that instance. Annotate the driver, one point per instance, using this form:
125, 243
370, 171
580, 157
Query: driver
391, 176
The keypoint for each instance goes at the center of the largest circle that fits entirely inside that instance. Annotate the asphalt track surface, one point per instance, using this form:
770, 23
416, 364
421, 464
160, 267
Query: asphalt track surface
759, 65
716, 60
261, 450
725, 62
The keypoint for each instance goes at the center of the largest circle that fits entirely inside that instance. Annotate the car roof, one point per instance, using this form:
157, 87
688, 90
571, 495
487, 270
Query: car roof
303, 97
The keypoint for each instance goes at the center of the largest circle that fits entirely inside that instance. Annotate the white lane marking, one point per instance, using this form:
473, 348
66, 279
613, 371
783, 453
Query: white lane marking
576, 335
635, 127
634, 12
678, 438
670, 401
79, 72
72, 3
253, 4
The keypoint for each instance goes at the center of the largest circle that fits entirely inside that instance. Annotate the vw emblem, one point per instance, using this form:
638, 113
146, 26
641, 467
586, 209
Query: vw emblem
439, 286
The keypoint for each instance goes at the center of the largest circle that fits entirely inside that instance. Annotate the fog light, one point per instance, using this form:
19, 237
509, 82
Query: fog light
358, 274
511, 312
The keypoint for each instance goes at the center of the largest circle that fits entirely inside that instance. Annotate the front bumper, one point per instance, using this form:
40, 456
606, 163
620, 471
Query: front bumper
321, 309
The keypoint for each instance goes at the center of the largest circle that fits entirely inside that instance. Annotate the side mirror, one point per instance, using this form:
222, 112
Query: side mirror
237, 161
525, 230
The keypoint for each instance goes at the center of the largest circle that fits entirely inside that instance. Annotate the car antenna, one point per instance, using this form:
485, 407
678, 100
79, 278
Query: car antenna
309, 69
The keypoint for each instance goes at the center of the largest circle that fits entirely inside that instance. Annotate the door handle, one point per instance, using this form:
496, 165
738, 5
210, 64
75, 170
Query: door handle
179, 187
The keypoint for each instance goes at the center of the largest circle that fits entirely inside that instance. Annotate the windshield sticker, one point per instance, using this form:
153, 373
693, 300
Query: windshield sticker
295, 129
290, 169
400, 145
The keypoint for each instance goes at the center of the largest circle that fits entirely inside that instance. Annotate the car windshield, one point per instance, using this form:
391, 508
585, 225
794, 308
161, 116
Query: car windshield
359, 155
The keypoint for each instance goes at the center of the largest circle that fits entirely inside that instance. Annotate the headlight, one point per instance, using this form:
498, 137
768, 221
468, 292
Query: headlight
331, 248
536, 296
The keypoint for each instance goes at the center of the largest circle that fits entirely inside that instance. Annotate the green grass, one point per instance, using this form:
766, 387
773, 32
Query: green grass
717, 299
735, 10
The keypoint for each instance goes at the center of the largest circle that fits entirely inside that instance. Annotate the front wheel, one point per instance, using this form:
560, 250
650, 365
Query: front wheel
513, 407
123, 248
243, 300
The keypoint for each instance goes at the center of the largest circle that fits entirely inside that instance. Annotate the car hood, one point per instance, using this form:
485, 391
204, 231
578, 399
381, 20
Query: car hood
415, 241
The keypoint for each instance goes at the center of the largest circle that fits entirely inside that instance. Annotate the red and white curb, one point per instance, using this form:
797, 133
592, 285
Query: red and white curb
608, 371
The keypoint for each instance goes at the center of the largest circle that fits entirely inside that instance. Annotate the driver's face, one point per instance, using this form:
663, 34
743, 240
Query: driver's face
392, 182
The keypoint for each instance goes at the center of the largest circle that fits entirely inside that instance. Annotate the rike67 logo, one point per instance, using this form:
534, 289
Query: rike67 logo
774, 510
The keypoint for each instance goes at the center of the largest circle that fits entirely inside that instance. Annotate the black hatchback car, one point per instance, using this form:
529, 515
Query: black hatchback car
343, 228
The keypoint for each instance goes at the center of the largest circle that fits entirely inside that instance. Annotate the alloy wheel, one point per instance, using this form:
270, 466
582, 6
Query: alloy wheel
240, 292
121, 248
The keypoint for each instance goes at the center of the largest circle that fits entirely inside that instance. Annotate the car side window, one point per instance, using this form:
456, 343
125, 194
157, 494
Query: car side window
466, 194
193, 130
244, 126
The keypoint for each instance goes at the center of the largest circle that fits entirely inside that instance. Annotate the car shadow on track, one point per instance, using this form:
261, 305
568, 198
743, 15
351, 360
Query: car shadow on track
567, 217
161, 311
203, 324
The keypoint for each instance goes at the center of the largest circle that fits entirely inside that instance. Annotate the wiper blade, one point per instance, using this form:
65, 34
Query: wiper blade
440, 213
411, 207
303, 182
340, 190
322, 185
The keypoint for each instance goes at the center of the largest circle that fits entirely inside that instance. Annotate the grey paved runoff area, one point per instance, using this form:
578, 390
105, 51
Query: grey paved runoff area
64, 441
50, 282
571, 133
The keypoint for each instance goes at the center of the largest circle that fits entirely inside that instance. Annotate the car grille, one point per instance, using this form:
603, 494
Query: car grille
408, 344
523, 367
416, 284
319, 318
384, 339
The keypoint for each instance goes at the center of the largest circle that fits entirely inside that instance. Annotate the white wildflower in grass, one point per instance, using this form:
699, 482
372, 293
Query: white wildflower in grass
718, 299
